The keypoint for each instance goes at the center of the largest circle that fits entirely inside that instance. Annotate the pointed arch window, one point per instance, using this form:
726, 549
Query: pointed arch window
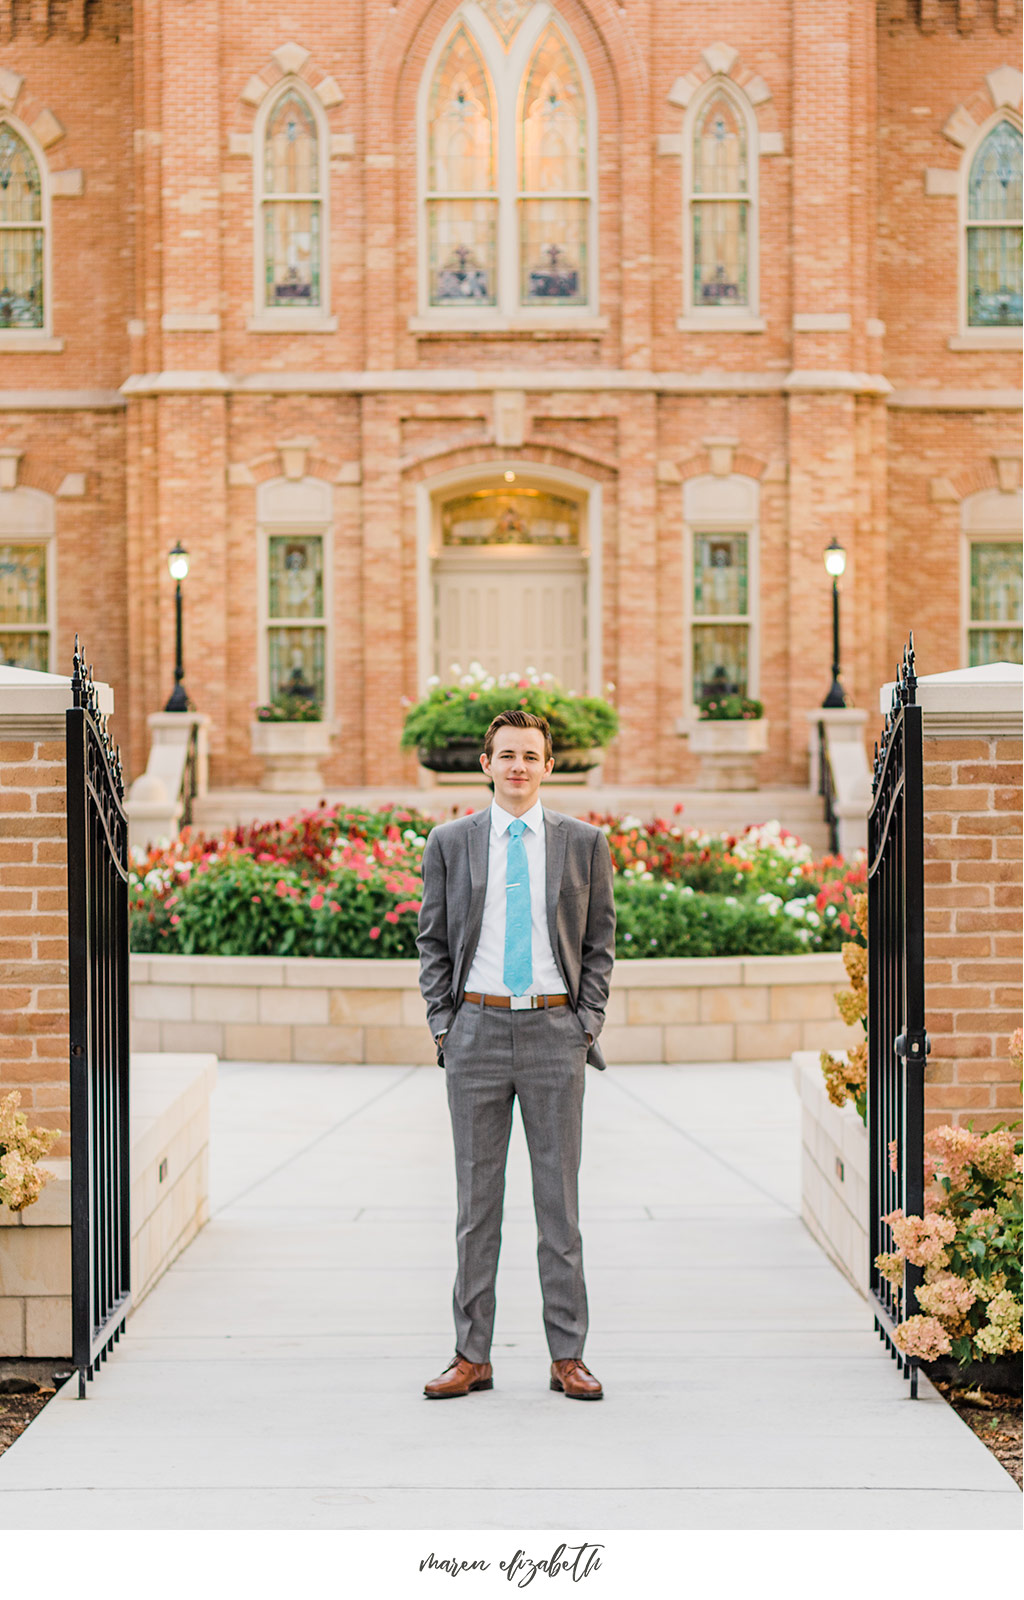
720, 225
462, 198
507, 146
291, 206
994, 230
22, 234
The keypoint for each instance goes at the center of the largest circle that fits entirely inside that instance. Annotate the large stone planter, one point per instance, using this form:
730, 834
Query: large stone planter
728, 752
459, 762
291, 753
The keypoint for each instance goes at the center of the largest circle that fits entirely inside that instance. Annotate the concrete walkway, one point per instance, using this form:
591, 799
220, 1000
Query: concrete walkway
273, 1378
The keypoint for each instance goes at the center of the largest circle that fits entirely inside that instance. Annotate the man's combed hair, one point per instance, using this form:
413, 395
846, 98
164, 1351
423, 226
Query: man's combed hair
518, 719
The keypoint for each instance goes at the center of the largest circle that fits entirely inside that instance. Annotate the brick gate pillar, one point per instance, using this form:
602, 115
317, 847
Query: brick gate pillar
35, 1244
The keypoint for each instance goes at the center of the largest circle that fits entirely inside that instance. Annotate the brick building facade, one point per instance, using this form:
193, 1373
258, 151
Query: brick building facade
386, 311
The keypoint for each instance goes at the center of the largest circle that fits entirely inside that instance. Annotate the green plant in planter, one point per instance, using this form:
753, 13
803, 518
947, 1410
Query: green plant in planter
461, 712
731, 708
287, 707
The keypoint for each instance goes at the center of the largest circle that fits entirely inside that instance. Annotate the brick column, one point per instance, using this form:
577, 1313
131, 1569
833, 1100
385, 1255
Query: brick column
972, 870
35, 1259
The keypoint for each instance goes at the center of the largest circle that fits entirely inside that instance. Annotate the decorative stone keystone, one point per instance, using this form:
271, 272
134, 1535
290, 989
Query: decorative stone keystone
9, 468
291, 58
718, 58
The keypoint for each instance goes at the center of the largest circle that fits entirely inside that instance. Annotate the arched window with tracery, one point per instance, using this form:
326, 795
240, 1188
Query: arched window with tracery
22, 234
507, 136
720, 184
993, 226
462, 199
291, 205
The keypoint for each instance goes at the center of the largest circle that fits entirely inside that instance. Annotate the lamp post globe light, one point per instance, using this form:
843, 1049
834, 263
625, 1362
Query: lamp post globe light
177, 562
835, 566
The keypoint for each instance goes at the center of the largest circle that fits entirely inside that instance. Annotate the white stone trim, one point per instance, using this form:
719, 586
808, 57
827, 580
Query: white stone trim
726, 322
821, 322
1008, 338
955, 399
712, 503
942, 181
507, 71
190, 321
61, 399
308, 319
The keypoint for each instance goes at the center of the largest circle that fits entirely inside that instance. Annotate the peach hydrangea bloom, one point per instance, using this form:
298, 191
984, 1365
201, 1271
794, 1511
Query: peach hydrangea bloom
924, 1337
946, 1296
995, 1158
953, 1151
1004, 1310
891, 1265
921, 1239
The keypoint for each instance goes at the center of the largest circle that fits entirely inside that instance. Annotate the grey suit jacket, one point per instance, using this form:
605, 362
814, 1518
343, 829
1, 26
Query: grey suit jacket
580, 905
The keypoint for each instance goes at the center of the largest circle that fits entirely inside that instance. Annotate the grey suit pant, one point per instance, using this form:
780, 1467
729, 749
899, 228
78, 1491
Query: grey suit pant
492, 1057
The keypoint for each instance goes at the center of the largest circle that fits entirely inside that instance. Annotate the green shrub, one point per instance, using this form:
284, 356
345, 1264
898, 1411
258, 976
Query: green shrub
465, 710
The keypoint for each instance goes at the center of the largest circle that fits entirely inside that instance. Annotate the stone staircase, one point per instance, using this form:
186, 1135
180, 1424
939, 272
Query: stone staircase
796, 809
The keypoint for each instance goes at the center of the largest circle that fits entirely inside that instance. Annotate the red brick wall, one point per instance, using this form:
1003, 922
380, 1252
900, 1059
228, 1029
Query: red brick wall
34, 931
151, 101
973, 927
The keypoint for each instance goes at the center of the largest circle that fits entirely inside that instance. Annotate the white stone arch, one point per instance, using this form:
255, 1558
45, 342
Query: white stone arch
991, 516
695, 317
293, 319
507, 69
29, 517
727, 505
304, 506
432, 491
29, 338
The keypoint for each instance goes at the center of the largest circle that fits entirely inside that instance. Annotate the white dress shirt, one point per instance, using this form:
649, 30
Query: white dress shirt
487, 973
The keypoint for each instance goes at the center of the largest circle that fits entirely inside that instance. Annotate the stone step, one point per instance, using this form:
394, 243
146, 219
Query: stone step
797, 810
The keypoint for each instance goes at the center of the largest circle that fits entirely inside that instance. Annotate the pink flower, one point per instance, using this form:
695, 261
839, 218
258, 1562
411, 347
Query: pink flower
335, 906
316, 901
374, 933
391, 916
257, 900
175, 920
924, 1337
281, 888
474, 696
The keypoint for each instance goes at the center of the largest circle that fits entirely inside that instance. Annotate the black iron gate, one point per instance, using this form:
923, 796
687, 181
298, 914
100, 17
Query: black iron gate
897, 1042
98, 997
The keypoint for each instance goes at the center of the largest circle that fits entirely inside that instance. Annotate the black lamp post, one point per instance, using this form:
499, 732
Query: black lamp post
835, 566
177, 561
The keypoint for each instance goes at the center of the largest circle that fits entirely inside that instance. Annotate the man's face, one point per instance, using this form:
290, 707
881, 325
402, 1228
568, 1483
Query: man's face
517, 767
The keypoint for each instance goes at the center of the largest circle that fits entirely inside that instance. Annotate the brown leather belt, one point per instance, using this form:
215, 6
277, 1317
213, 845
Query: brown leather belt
518, 1002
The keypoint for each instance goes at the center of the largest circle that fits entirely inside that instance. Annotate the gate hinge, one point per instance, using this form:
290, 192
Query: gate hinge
913, 1046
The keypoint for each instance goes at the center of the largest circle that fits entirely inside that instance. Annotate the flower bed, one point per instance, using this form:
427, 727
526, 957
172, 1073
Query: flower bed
341, 883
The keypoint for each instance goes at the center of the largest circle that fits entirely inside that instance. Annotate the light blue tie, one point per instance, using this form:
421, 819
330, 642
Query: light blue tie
518, 971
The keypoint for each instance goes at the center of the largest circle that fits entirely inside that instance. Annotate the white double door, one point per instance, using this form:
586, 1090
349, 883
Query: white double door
511, 613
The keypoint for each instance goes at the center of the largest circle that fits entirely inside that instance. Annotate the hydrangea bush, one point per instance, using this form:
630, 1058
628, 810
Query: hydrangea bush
968, 1242
20, 1149
343, 882
846, 1077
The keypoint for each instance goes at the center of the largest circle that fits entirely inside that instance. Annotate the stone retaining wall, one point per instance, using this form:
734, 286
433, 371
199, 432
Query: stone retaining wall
260, 1008
833, 1172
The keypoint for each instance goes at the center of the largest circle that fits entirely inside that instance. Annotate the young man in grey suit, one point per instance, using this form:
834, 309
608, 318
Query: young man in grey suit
516, 941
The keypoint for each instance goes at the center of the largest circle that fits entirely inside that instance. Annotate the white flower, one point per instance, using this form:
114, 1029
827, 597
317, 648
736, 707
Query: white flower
433, 681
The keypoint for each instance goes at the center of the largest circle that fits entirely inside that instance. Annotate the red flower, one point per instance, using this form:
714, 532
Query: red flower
281, 888
256, 900
316, 901
374, 933
391, 916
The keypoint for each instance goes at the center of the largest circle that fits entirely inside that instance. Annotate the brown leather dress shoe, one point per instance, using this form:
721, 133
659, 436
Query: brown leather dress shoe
576, 1381
460, 1377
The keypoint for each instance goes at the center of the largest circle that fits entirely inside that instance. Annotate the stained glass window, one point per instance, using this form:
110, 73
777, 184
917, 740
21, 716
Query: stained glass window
462, 201
719, 206
518, 516
291, 205
995, 626
554, 204
21, 234
296, 634
721, 614
994, 231
24, 630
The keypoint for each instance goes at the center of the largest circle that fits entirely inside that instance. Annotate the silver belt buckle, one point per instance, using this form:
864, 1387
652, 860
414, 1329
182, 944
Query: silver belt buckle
522, 1002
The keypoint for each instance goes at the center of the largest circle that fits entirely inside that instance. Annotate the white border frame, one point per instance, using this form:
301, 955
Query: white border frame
507, 74
724, 524
266, 528
743, 318
1008, 532
1008, 335
44, 535
278, 319
430, 493
22, 338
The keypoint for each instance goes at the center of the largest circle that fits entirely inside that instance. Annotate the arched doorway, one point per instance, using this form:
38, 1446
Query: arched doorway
510, 576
